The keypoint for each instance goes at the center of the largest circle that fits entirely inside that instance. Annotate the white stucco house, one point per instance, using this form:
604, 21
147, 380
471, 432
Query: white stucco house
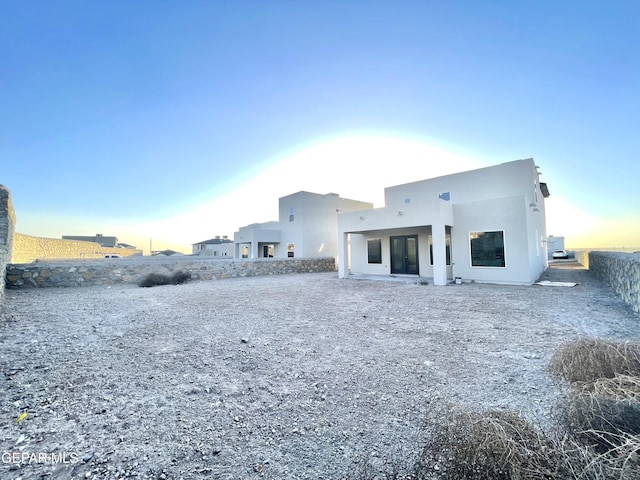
485, 225
218, 247
554, 243
307, 227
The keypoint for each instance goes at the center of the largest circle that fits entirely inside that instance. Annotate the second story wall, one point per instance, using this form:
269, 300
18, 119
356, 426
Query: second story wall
509, 179
309, 221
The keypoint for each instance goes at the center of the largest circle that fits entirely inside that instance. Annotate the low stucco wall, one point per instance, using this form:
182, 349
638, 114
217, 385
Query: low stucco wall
27, 249
581, 256
80, 273
621, 271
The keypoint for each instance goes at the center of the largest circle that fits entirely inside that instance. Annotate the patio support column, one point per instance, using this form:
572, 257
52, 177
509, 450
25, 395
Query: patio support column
343, 255
254, 250
439, 254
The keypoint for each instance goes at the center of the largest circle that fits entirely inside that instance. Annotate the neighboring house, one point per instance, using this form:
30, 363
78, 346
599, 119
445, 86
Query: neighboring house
485, 225
554, 243
97, 238
215, 247
307, 227
126, 245
166, 253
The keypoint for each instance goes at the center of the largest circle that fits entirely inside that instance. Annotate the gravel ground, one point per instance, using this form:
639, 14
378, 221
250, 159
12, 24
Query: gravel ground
284, 377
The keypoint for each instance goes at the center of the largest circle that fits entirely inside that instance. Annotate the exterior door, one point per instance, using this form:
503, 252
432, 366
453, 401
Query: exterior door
404, 254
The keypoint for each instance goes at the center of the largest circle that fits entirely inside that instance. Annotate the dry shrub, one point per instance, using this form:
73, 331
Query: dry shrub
593, 454
620, 387
492, 445
601, 415
154, 279
621, 462
501, 445
588, 360
596, 436
600, 422
580, 462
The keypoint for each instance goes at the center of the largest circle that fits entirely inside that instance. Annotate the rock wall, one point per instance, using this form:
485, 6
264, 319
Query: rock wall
7, 231
27, 249
80, 273
621, 271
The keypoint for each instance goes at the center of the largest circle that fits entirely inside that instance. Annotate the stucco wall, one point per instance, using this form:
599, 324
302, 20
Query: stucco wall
27, 249
508, 215
581, 256
7, 229
314, 231
621, 271
79, 273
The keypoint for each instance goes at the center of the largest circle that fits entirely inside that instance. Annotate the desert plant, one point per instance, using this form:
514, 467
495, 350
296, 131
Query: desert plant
600, 422
620, 387
600, 437
180, 277
491, 445
596, 433
588, 360
600, 416
153, 279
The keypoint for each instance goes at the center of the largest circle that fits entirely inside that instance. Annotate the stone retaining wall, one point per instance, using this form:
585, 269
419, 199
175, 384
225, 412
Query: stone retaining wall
621, 271
80, 273
7, 231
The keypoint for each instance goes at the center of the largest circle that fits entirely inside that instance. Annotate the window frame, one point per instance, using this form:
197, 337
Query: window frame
504, 248
447, 242
377, 259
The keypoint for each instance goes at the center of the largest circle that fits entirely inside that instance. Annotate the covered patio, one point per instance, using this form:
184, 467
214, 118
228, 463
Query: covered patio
413, 242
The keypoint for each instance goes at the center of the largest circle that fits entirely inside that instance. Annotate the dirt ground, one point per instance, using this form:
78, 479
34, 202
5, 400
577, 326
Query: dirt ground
283, 377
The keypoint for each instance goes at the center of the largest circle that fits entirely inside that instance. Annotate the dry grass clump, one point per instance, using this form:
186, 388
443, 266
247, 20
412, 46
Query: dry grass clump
491, 445
601, 415
601, 422
596, 436
588, 360
602, 437
154, 279
592, 442
620, 387
596, 433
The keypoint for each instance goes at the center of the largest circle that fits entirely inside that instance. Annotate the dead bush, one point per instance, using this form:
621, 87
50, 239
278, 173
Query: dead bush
599, 440
588, 360
596, 433
580, 462
600, 417
600, 422
154, 279
492, 445
620, 387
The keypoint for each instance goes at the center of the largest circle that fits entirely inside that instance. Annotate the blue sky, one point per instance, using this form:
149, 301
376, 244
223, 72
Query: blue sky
182, 120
